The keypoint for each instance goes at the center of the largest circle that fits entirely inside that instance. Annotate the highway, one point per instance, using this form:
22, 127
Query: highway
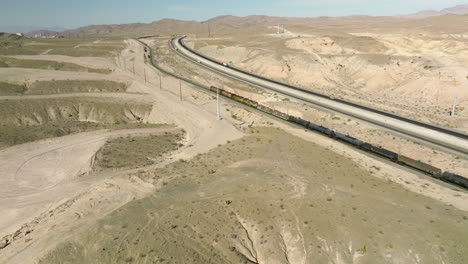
443, 137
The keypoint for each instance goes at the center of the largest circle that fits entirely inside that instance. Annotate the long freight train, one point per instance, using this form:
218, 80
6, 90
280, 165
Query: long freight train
390, 155
382, 152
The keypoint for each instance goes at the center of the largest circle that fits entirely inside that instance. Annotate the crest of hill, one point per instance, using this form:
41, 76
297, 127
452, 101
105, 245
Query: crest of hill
43, 33
164, 26
8, 37
234, 25
306, 21
448, 23
458, 10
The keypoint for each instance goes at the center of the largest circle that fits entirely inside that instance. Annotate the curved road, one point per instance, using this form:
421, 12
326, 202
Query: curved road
446, 138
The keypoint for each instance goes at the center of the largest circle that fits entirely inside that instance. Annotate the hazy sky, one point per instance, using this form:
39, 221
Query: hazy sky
76, 13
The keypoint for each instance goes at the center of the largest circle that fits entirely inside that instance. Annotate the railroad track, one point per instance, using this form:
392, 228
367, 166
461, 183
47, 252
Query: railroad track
446, 138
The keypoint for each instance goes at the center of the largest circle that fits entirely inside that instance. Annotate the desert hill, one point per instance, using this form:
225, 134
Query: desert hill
451, 20
8, 37
459, 10
229, 25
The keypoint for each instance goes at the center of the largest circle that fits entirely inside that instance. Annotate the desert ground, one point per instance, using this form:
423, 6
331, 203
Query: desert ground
105, 159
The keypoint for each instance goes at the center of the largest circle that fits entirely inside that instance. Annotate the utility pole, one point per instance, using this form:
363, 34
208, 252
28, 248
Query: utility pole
160, 81
280, 28
180, 89
217, 104
455, 101
209, 30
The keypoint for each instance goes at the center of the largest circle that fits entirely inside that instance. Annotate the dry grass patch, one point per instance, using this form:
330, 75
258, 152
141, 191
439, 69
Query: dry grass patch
76, 47
32, 119
14, 135
30, 112
76, 86
11, 89
6, 62
63, 87
124, 152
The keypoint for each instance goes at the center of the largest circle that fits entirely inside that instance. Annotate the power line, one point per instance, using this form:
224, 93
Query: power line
217, 104
180, 89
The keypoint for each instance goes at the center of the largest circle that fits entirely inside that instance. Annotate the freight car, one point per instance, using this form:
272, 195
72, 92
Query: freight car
380, 151
454, 178
235, 97
301, 122
225, 93
215, 89
244, 100
221, 92
348, 139
421, 166
273, 112
320, 129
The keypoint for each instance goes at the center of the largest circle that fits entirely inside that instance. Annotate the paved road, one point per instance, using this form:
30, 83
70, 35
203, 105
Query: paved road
435, 136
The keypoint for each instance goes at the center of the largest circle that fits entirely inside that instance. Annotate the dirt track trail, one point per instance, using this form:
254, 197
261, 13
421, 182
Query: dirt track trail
36, 172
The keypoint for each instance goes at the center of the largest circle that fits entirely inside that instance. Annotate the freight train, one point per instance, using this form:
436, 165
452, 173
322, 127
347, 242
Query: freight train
382, 152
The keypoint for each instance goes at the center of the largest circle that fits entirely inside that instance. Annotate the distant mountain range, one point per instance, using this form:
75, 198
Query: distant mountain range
451, 20
25, 29
232, 25
458, 10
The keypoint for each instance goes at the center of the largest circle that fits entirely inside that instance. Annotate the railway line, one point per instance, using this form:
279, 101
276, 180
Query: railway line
453, 140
